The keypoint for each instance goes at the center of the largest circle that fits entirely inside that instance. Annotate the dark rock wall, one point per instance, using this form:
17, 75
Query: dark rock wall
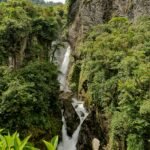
86, 13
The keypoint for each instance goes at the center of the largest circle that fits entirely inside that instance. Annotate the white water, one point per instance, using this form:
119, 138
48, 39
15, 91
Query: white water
64, 69
69, 143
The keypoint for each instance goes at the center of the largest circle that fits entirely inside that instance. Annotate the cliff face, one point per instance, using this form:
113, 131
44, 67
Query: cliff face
86, 13
90, 76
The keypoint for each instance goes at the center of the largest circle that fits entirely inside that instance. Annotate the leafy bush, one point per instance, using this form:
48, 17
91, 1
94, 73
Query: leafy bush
115, 76
134, 142
29, 100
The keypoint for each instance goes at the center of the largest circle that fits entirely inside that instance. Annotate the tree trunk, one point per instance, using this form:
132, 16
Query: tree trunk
22, 50
11, 61
20, 56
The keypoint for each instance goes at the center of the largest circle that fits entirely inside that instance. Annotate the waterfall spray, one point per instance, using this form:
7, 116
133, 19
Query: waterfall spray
69, 143
64, 69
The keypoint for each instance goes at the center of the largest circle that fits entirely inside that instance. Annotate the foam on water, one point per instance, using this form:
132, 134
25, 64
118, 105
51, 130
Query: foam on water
64, 69
69, 143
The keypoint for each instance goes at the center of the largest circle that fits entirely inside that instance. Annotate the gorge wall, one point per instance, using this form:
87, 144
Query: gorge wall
92, 66
86, 13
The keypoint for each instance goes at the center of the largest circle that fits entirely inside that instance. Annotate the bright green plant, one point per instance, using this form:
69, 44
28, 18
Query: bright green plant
52, 145
13, 142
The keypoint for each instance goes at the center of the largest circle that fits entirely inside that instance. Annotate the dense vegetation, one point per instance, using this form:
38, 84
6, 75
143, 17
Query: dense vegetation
112, 72
28, 77
27, 31
14, 142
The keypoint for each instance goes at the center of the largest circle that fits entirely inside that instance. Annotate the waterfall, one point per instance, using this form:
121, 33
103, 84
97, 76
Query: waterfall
64, 69
69, 143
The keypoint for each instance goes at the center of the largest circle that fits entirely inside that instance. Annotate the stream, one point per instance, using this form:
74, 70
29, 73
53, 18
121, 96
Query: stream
69, 143
64, 70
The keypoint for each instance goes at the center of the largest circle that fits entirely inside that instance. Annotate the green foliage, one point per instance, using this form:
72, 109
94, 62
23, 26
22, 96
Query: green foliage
52, 145
29, 99
115, 62
28, 82
14, 142
74, 77
134, 142
27, 31
144, 108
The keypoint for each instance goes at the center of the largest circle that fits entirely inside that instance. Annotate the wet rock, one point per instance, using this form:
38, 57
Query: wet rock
65, 96
70, 115
95, 144
93, 128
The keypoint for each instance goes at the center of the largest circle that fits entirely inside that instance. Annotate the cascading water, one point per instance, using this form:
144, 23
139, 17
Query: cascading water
69, 143
64, 70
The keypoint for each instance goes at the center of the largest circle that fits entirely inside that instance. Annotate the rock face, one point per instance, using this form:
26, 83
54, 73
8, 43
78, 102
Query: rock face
91, 128
86, 13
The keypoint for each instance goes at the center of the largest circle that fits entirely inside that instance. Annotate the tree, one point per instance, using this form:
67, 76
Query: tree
114, 76
29, 99
28, 81
25, 27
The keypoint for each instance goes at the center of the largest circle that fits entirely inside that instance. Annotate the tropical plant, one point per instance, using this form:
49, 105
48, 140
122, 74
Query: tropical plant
52, 145
13, 142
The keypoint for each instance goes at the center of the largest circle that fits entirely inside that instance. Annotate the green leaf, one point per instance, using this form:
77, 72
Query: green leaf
24, 142
54, 141
49, 145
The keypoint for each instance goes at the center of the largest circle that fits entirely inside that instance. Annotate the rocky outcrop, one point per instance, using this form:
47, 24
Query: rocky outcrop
95, 144
95, 125
70, 115
92, 128
86, 13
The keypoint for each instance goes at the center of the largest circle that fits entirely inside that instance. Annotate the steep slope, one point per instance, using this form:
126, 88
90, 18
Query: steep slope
111, 59
83, 14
